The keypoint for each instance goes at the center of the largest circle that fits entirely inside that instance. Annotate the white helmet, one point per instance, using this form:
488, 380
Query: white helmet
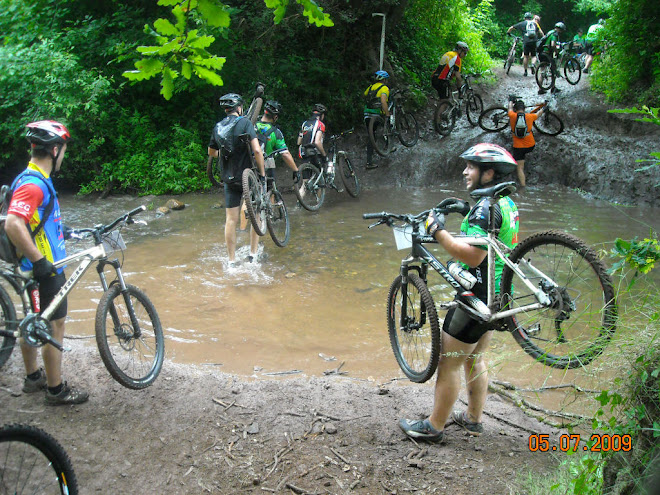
489, 155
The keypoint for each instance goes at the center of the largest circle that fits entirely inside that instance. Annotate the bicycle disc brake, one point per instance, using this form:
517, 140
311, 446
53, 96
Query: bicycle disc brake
32, 326
126, 336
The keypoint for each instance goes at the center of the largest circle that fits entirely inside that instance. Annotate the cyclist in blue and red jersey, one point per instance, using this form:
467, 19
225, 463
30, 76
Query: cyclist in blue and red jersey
40, 244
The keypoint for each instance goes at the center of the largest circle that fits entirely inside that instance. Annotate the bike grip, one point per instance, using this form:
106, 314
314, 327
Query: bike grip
369, 216
137, 210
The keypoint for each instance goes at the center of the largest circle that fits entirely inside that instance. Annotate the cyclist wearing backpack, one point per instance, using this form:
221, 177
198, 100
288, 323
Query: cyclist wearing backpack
531, 33
523, 138
376, 103
271, 139
235, 141
33, 198
547, 49
310, 139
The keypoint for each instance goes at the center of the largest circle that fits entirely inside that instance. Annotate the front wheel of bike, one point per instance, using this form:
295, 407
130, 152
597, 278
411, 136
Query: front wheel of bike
407, 128
8, 324
253, 198
32, 461
494, 119
413, 326
444, 118
549, 123
379, 135
581, 319
214, 171
348, 175
129, 336
572, 71
310, 191
509, 59
277, 219
545, 76
473, 108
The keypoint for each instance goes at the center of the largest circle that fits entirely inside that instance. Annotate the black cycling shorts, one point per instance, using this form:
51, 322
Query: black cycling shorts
463, 327
442, 87
233, 194
47, 292
529, 48
589, 48
519, 153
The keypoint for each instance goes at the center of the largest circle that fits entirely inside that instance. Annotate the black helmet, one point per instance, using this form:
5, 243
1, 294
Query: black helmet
231, 101
488, 155
529, 15
46, 133
319, 108
272, 107
560, 25
519, 105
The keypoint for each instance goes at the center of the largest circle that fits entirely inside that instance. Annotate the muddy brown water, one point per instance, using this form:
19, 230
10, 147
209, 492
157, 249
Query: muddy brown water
321, 301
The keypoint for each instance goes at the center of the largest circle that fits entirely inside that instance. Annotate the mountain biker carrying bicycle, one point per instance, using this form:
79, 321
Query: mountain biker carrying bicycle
272, 139
376, 103
448, 68
310, 139
31, 201
523, 142
547, 49
464, 340
235, 141
531, 33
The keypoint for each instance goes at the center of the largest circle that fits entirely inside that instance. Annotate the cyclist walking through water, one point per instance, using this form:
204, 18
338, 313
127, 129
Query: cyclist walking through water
464, 340
310, 139
376, 103
531, 33
272, 139
235, 141
34, 226
449, 68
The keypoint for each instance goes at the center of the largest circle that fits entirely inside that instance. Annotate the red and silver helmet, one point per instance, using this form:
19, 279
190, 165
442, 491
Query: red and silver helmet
488, 155
47, 133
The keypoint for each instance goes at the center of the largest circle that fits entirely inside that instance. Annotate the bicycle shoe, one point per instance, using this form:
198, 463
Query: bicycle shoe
68, 395
421, 430
460, 418
36, 385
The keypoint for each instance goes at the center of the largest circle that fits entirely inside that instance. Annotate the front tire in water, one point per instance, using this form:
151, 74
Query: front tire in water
278, 220
348, 175
309, 192
253, 201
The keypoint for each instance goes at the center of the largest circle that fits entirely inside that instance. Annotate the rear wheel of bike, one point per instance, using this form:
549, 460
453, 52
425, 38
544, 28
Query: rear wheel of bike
494, 119
549, 123
444, 118
572, 71
378, 135
130, 341
473, 108
254, 201
214, 171
407, 128
348, 175
582, 317
8, 324
545, 76
32, 461
277, 219
309, 191
414, 330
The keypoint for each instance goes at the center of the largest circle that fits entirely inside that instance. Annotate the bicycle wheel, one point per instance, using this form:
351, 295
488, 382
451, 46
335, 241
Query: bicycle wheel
473, 108
572, 71
8, 324
549, 123
407, 128
494, 119
277, 219
348, 175
133, 360
32, 461
309, 191
509, 59
378, 135
214, 171
415, 334
582, 318
444, 118
545, 76
254, 201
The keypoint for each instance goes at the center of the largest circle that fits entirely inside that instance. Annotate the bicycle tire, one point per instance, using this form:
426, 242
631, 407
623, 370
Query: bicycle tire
133, 362
309, 192
8, 323
509, 59
558, 337
378, 136
474, 105
254, 201
494, 119
348, 175
32, 461
545, 76
416, 347
214, 171
407, 128
444, 118
572, 71
254, 109
277, 219
549, 123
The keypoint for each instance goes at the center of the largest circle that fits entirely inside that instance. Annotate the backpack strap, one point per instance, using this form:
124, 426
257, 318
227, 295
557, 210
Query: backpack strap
49, 206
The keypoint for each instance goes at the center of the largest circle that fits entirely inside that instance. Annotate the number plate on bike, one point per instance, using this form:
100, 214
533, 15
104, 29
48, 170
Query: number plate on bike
403, 237
113, 242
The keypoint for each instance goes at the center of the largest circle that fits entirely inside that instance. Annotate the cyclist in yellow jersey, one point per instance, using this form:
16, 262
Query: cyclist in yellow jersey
377, 100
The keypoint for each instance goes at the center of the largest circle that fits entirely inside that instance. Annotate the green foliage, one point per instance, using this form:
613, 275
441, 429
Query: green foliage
640, 256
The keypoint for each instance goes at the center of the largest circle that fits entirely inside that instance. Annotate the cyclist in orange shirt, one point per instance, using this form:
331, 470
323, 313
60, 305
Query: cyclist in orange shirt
523, 138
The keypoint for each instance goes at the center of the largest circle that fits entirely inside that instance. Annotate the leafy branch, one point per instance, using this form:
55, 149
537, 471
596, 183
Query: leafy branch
652, 117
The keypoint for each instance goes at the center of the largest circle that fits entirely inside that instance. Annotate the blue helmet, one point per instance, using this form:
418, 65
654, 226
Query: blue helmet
379, 75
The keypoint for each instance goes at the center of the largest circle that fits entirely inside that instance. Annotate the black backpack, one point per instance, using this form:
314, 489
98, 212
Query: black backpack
7, 249
223, 134
371, 100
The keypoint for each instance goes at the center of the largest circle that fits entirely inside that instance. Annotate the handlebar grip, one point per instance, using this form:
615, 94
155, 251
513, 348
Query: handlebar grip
137, 210
370, 216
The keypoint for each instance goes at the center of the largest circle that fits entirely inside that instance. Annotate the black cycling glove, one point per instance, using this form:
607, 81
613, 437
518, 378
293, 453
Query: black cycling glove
296, 176
42, 269
435, 222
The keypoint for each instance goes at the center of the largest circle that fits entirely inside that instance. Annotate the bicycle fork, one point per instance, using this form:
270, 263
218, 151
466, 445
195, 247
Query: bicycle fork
116, 321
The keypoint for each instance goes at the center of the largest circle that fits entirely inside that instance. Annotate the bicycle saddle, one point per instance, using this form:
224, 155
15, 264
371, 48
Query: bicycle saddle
496, 191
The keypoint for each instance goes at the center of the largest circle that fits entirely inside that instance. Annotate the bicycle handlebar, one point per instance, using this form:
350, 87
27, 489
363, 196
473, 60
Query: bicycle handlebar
104, 229
446, 206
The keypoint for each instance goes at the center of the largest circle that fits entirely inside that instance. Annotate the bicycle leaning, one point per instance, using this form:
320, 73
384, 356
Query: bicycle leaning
402, 125
128, 331
570, 63
444, 119
561, 309
495, 119
511, 56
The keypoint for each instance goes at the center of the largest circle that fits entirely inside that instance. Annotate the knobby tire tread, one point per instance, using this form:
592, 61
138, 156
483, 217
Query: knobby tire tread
473, 107
379, 140
252, 198
281, 241
549, 123
406, 120
312, 170
9, 323
348, 175
494, 119
543, 81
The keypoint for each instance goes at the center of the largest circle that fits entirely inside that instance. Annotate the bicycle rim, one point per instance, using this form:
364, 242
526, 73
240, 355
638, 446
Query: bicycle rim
406, 126
380, 140
572, 71
509, 61
278, 220
348, 176
309, 191
473, 108
214, 171
253, 201
415, 339
444, 119
549, 123
8, 323
494, 119
544, 76
134, 361
582, 320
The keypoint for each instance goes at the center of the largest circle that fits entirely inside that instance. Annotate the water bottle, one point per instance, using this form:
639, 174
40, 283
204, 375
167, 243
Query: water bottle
462, 276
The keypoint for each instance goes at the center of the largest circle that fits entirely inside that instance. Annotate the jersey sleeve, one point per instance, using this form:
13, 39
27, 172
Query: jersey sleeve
279, 144
25, 201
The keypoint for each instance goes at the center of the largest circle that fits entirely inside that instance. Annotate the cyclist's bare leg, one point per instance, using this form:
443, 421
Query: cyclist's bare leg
231, 223
254, 242
476, 378
521, 172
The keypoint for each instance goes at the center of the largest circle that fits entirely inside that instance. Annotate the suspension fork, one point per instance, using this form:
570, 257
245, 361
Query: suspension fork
404, 270
137, 331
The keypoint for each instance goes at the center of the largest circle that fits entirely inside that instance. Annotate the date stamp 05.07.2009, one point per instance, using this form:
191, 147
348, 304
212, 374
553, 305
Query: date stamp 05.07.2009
596, 443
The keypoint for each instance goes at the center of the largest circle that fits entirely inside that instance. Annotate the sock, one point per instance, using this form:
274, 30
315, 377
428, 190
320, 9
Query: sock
34, 376
56, 390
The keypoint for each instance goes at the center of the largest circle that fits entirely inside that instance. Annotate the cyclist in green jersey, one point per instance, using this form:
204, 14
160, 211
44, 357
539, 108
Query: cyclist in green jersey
464, 340
271, 139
